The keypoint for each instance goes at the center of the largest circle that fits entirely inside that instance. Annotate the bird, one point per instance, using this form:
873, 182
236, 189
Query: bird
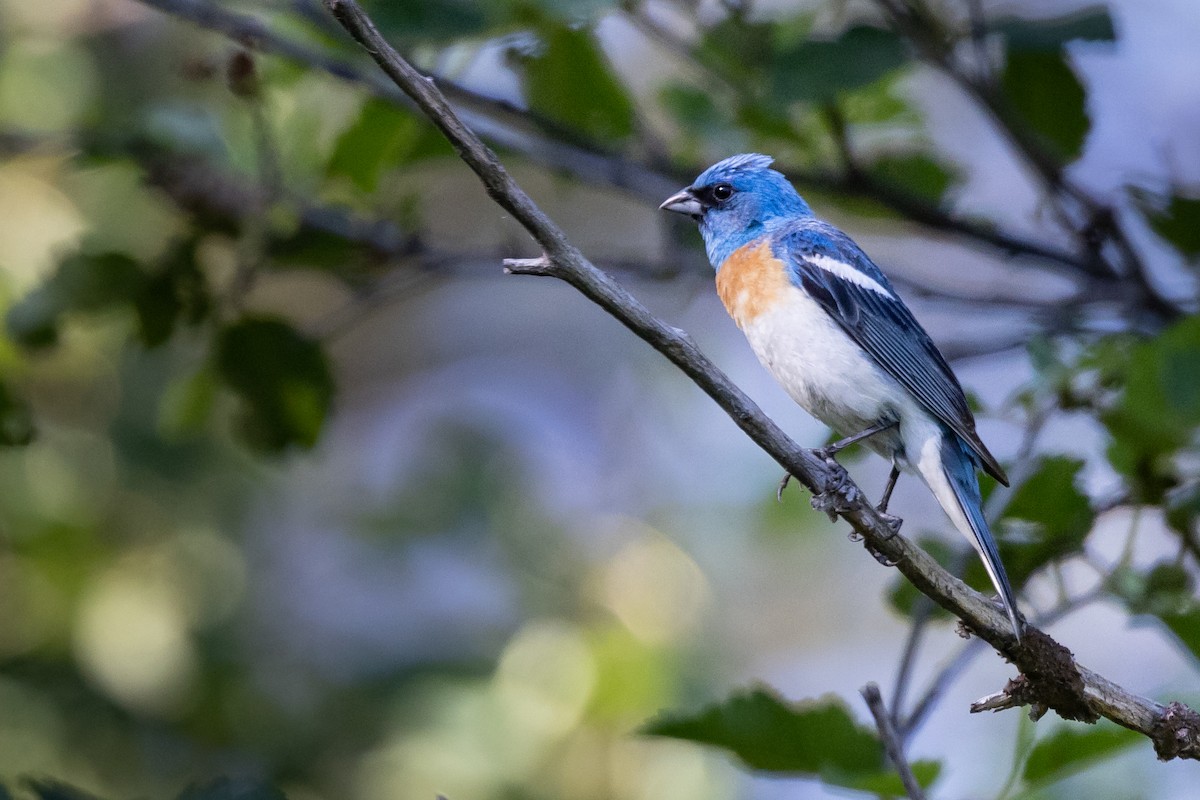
828, 325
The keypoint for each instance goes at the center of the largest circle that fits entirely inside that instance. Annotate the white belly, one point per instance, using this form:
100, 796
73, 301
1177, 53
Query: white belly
827, 373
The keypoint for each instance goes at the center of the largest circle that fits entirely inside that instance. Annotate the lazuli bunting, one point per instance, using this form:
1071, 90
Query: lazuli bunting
825, 321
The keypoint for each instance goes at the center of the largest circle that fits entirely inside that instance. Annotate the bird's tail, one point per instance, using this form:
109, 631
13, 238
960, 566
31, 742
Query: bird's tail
956, 487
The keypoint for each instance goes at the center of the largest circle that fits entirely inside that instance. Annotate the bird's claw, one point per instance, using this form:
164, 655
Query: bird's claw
838, 495
783, 484
880, 557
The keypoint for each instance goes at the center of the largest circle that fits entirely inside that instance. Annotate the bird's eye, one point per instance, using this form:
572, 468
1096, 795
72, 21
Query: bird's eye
722, 191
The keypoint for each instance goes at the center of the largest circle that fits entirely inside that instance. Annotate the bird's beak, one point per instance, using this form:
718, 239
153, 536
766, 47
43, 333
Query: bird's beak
683, 202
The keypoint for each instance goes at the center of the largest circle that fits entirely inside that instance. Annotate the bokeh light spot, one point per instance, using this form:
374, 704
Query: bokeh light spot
655, 588
131, 639
545, 677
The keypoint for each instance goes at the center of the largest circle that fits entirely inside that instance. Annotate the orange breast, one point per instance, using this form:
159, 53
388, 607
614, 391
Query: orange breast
750, 281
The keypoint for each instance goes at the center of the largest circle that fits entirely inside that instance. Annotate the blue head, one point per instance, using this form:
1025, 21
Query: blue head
736, 201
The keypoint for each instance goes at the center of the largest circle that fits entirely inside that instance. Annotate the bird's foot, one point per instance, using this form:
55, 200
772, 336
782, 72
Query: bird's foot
893, 524
839, 493
891, 521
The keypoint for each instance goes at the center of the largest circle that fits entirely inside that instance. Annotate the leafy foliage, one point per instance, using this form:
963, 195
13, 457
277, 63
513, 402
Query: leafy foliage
1039, 82
1069, 750
16, 420
920, 174
241, 169
568, 80
282, 378
820, 71
383, 137
817, 739
1158, 410
1053, 515
1089, 24
81, 283
416, 20
170, 291
1178, 222
1044, 90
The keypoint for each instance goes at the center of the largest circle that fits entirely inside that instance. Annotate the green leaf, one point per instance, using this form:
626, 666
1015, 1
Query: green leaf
1182, 508
187, 405
49, 789
94, 282
228, 789
1186, 627
1091, 24
82, 282
16, 420
1159, 409
1070, 749
1178, 223
918, 173
1164, 590
570, 83
429, 20
882, 102
177, 292
313, 248
768, 733
1047, 517
1051, 499
888, 784
819, 71
382, 137
694, 109
739, 48
1041, 86
282, 378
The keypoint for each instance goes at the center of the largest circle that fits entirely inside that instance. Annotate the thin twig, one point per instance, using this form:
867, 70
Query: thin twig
921, 613
1055, 679
893, 745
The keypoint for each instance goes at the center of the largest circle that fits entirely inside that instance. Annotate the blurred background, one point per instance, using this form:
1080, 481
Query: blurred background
299, 489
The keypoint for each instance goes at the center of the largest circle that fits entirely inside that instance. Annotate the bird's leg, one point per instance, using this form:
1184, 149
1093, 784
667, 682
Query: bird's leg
828, 452
892, 522
838, 493
887, 492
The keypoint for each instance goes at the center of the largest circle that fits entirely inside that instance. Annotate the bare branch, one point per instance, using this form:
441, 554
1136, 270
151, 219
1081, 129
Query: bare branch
1055, 680
892, 744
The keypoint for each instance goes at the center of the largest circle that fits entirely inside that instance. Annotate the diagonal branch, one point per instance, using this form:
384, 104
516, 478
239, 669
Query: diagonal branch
1050, 673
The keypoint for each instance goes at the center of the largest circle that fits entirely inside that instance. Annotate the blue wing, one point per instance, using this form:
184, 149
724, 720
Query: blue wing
839, 276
